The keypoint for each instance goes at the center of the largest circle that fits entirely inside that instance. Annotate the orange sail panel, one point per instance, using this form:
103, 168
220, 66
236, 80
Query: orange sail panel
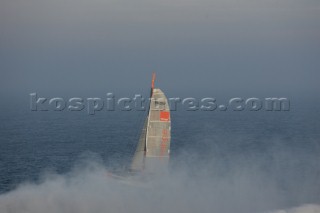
164, 116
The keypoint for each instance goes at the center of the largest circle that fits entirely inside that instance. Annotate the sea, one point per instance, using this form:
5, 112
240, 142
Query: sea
220, 162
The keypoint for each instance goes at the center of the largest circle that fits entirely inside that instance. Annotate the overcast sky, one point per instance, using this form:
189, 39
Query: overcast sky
209, 47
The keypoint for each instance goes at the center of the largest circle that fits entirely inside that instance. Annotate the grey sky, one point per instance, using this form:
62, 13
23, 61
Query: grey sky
206, 47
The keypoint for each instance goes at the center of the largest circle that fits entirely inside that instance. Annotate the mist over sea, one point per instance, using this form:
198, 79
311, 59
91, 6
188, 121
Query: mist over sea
223, 162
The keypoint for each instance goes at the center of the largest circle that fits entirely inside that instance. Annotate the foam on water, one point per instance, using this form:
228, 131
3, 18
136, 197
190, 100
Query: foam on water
88, 188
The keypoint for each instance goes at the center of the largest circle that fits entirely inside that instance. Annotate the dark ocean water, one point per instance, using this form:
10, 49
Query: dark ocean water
276, 152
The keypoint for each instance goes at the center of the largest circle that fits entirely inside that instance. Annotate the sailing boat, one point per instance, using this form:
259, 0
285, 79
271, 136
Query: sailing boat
153, 149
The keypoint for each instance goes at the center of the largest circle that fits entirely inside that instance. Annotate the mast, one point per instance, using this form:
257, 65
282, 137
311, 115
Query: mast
152, 85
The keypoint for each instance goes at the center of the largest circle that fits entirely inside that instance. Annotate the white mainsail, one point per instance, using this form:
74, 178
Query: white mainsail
152, 152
